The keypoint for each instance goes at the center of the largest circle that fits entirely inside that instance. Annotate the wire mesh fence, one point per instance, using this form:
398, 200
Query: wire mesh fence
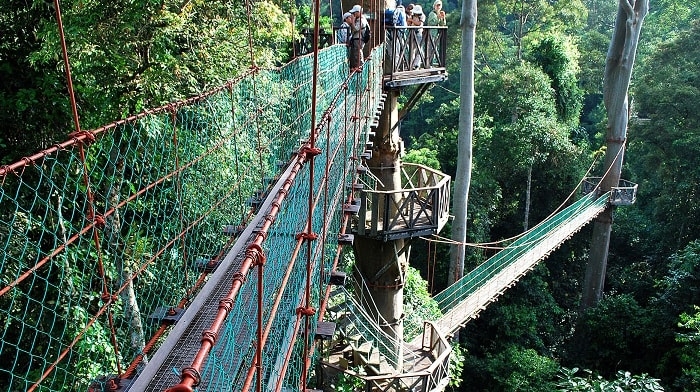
106, 238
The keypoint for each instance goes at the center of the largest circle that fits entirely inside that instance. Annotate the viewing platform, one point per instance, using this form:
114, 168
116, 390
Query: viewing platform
624, 194
420, 207
414, 55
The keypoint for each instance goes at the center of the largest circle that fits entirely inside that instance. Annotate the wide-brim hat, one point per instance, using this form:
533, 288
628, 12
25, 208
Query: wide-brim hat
355, 8
417, 10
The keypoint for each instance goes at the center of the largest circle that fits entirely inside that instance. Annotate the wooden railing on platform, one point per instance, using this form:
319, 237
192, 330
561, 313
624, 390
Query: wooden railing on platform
420, 207
415, 55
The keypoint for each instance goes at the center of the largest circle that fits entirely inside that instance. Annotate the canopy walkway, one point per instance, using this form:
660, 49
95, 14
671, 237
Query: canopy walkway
161, 224
193, 245
470, 295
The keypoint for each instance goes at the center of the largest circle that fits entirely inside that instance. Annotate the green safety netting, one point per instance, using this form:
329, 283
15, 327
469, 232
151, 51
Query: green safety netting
460, 291
340, 138
105, 237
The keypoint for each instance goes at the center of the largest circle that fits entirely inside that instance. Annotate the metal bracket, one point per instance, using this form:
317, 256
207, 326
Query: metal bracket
168, 315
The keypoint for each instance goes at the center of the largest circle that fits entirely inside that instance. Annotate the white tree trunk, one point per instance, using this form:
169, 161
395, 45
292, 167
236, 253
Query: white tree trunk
528, 188
132, 313
618, 72
464, 141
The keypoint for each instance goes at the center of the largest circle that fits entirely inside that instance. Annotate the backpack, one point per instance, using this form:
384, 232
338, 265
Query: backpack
365, 34
389, 17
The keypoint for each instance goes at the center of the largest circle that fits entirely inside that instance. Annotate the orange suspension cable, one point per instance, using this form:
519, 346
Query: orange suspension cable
309, 225
66, 62
107, 297
258, 346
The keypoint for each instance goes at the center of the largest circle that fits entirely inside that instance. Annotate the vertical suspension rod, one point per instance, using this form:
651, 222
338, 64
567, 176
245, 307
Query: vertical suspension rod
66, 63
258, 348
309, 225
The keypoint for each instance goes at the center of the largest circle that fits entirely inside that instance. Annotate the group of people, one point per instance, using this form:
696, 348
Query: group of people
414, 16
354, 31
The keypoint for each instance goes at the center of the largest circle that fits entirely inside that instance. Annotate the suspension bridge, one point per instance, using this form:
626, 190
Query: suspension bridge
196, 245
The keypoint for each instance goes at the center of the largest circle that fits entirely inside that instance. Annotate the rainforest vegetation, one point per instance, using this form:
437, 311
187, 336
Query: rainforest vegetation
544, 59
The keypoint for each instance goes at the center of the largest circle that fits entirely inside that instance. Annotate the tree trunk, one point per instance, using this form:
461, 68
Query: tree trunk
462, 181
132, 313
618, 72
528, 187
382, 264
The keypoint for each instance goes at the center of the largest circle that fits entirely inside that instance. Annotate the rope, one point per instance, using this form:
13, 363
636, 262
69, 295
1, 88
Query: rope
486, 245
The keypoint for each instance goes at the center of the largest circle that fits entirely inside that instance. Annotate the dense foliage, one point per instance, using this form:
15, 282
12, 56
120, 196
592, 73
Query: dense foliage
125, 56
538, 104
539, 124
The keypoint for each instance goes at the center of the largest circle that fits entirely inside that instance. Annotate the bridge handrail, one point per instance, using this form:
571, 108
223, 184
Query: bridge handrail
441, 349
409, 46
448, 298
409, 171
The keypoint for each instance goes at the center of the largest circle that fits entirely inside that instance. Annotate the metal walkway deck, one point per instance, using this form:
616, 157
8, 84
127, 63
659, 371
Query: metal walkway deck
470, 295
184, 341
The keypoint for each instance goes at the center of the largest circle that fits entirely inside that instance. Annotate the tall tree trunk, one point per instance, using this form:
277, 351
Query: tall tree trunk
383, 263
464, 141
526, 219
618, 72
519, 35
113, 229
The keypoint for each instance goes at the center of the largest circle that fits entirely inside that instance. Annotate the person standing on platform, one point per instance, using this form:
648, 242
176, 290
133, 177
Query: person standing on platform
400, 39
409, 13
344, 33
394, 37
415, 42
360, 36
399, 14
437, 15
435, 18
